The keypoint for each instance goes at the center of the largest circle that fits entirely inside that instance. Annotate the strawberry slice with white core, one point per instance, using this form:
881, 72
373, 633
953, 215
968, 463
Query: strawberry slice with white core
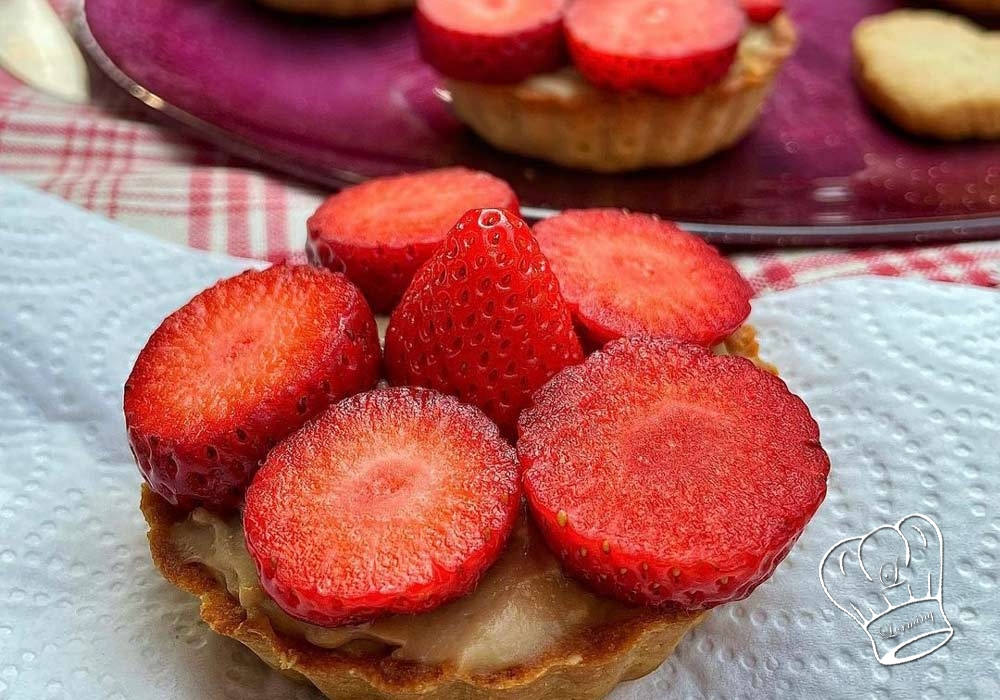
624, 273
394, 501
675, 47
762, 10
491, 41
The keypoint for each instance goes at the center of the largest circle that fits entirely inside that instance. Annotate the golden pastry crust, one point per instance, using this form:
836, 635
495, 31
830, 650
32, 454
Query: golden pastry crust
339, 8
743, 342
932, 73
562, 118
584, 666
985, 8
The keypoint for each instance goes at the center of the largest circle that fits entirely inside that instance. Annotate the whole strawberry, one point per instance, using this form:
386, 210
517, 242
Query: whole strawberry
483, 319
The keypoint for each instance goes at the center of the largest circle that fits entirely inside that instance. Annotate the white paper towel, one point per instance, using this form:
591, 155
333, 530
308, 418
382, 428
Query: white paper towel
901, 375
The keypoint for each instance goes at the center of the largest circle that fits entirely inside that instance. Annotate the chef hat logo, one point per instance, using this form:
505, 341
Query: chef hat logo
889, 582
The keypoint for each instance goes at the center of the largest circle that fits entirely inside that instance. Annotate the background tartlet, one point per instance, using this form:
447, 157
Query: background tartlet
562, 118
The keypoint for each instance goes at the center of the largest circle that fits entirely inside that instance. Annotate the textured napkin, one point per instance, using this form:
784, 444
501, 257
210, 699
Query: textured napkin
901, 376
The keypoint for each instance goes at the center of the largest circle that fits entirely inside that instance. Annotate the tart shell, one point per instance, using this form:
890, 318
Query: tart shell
584, 666
578, 125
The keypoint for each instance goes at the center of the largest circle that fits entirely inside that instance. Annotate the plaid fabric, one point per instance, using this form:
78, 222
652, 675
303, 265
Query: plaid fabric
108, 157
966, 263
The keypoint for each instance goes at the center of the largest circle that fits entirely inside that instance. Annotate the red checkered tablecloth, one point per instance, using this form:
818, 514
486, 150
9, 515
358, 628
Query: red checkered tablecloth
107, 156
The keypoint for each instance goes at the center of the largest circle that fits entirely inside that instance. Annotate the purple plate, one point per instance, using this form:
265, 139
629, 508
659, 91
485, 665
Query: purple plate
338, 102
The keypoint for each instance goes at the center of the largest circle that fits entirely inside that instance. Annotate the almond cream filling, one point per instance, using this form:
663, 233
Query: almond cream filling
522, 607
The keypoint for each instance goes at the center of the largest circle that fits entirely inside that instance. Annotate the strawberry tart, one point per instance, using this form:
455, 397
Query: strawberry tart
607, 85
508, 517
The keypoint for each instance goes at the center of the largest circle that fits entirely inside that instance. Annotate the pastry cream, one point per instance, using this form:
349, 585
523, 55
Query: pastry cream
522, 606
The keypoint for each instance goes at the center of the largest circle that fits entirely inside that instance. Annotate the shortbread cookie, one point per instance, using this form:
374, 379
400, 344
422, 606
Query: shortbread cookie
338, 8
932, 73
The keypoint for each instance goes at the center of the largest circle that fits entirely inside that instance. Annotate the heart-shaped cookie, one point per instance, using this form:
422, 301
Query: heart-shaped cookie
932, 73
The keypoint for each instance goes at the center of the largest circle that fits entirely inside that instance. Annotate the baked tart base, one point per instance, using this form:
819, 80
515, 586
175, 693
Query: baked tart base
560, 117
583, 665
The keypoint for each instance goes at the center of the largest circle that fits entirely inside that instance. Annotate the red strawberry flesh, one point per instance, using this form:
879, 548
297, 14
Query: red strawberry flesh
395, 501
379, 233
676, 47
491, 41
762, 10
624, 273
664, 475
483, 319
237, 369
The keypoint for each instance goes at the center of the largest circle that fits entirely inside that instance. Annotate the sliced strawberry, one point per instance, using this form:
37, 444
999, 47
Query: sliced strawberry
662, 474
395, 501
238, 368
762, 10
676, 47
491, 41
625, 273
380, 232
483, 319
